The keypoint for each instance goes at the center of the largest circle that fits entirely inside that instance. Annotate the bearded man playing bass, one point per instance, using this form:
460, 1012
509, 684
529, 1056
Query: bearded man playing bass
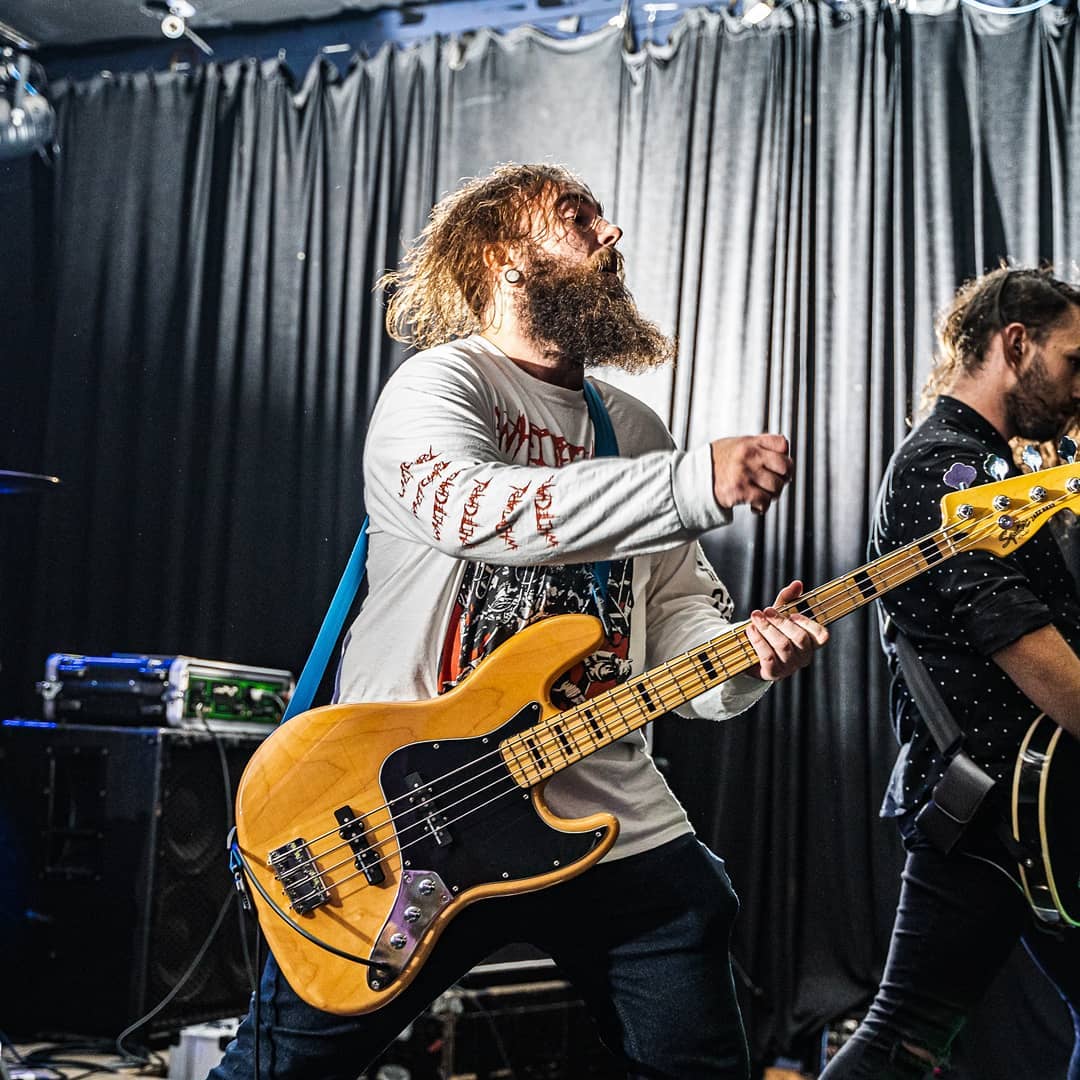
491, 510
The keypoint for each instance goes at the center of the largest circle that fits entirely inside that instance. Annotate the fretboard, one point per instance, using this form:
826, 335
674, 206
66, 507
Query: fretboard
554, 744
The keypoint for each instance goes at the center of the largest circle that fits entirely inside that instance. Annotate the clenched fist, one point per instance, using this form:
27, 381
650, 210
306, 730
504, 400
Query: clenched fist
750, 469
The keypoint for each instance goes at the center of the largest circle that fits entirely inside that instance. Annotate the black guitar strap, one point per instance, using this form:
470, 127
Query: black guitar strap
963, 787
945, 730
961, 791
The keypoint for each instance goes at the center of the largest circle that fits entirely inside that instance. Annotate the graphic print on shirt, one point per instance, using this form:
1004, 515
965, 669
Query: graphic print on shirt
538, 444
495, 602
427, 480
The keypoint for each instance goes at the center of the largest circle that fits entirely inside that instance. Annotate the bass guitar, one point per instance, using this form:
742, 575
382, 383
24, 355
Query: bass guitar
363, 829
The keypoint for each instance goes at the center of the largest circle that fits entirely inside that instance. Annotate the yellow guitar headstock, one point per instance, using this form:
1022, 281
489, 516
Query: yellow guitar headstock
1000, 516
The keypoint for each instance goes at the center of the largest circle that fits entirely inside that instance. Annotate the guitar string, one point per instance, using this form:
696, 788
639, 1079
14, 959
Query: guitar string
596, 704
845, 590
841, 590
593, 703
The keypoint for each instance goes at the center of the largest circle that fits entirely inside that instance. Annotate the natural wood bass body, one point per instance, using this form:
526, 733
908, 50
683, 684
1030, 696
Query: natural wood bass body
364, 829
334, 757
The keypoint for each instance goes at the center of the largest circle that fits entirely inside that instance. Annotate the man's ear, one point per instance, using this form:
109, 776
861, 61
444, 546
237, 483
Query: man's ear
1015, 340
496, 257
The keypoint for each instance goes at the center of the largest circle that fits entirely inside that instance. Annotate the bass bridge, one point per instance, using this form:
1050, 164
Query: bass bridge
295, 869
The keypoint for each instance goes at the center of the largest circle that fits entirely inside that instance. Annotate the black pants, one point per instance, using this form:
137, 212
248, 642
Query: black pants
958, 919
644, 941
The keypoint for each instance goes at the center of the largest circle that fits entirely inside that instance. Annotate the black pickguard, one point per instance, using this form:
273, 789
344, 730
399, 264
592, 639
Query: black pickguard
489, 827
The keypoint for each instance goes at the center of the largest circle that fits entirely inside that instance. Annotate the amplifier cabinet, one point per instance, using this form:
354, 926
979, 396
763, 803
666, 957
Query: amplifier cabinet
113, 871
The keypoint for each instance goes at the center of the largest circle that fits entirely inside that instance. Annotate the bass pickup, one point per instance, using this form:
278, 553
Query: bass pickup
352, 832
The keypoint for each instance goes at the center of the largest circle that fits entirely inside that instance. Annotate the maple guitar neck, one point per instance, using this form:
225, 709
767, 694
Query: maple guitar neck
378, 822
560, 741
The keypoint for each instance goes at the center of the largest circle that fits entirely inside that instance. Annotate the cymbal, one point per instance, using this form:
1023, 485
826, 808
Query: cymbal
25, 483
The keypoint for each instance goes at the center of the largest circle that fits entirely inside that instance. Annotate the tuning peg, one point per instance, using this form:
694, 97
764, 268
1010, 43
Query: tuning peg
960, 476
1031, 457
997, 468
1067, 449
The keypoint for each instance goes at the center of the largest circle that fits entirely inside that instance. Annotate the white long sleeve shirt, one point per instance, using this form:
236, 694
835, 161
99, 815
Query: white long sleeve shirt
488, 510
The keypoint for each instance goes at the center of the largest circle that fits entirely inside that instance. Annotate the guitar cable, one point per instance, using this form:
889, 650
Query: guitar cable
242, 908
178, 986
997, 866
257, 1007
241, 867
122, 1051
241, 874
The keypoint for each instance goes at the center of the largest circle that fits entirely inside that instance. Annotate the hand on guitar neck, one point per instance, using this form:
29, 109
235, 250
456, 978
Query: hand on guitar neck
783, 640
753, 470
375, 823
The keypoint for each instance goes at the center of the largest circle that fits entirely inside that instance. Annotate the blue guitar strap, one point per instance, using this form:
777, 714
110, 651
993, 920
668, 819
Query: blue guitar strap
330, 631
606, 445
334, 620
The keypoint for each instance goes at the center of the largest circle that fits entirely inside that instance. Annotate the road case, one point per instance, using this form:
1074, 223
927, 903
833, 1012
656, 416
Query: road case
167, 691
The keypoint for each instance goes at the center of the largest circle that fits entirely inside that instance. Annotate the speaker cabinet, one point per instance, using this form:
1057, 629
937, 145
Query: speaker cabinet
113, 871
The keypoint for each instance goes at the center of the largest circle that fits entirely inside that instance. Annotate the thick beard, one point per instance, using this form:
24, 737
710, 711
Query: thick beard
586, 315
1034, 405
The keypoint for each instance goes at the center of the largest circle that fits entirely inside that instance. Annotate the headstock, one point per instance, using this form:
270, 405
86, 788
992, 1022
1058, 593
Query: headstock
1000, 516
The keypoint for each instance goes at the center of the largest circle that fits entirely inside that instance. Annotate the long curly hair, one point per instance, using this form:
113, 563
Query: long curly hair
981, 307
443, 287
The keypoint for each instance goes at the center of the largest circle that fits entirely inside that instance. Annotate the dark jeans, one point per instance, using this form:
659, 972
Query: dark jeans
644, 941
958, 919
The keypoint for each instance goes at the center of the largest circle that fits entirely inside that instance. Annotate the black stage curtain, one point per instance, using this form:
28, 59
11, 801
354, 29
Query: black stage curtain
197, 345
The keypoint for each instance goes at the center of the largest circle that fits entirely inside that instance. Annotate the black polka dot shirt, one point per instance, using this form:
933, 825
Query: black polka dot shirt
959, 613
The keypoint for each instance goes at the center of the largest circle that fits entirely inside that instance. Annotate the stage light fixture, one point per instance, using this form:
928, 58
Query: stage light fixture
174, 20
27, 120
172, 26
758, 13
